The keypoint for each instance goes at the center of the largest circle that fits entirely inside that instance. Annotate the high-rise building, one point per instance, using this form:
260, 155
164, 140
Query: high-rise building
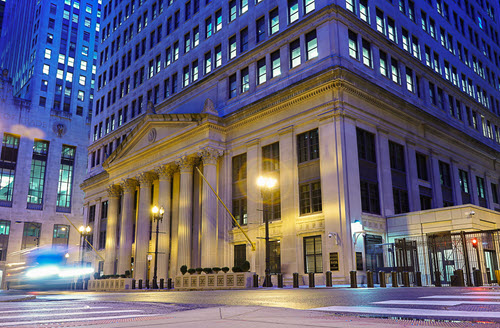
2, 10
49, 50
379, 120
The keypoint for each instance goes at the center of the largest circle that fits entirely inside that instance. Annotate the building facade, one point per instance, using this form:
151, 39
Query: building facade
366, 112
48, 61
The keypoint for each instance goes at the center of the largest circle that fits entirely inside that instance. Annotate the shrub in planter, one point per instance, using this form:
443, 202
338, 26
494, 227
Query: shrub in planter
225, 269
127, 274
236, 269
184, 269
191, 271
216, 269
207, 270
123, 276
245, 267
199, 270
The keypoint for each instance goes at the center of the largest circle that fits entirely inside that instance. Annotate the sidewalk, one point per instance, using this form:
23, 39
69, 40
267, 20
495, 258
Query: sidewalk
264, 317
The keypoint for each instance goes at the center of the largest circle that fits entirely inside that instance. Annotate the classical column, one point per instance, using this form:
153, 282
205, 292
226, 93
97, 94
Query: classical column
164, 195
185, 210
385, 174
142, 225
209, 207
127, 225
114, 192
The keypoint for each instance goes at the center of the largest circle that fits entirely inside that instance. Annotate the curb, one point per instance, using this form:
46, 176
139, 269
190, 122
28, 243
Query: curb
18, 299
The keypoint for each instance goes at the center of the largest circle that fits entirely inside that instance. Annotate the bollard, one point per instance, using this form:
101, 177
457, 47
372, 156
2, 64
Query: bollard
311, 280
381, 278
460, 277
488, 275
406, 279
329, 279
162, 283
169, 283
147, 283
369, 279
140, 283
437, 278
280, 280
418, 279
255, 280
354, 281
394, 279
295, 280
154, 284
478, 281
267, 281
133, 283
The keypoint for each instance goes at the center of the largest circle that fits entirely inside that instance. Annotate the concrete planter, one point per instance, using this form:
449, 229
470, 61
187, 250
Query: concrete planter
214, 281
110, 284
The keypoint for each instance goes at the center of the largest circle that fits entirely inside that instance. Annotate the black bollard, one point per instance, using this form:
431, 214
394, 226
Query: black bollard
147, 283
406, 279
381, 278
280, 280
329, 279
460, 277
162, 283
169, 283
354, 281
418, 278
437, 278
255, 280
311, 280
140, 283
154, 284
488, 275
394, 279
478, 281
369, 279
295, 280
267, 281
133, 283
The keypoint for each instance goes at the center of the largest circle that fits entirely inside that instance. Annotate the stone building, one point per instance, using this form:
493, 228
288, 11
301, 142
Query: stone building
369, 113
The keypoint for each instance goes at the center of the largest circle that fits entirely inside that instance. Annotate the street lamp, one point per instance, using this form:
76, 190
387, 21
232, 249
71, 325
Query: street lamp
84, 231
357, 230
267, 185
157, 216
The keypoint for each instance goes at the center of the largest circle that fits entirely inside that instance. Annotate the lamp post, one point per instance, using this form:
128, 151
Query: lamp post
357, 230
157, 216
267, 185
84, 231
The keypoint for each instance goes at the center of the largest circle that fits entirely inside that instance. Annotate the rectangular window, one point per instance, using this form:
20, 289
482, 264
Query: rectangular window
293, 11
395, 70
244, 40
31, 235
208, 62
353, 44
409, 80
103, 225
245, 80
232, 47
367, 53
274, 21
218, 56
494, 195
243, 6
308, 146
310, 198
240, 256
208, 27
233, 91
380, 21
218, 20
422, 171
481, 191
8, 161
275, 64
295, 53
309, 6
60, 236
260, 29
311, 45
383, 63
363, 11
313, 257
261, 71
366, 145
232, 10
65, 184
397, 156
391, 30
37, 173
4, 238
185, 76
194, 71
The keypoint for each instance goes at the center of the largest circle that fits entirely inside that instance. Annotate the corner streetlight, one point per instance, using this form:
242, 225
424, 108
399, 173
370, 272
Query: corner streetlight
157, 215
84, 231
357, 230
267, 185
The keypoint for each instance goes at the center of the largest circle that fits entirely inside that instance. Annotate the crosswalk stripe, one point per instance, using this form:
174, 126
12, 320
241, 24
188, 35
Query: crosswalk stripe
3, 310
24, 323
485, 292
463, 296
412, 312
426, 302
66, 314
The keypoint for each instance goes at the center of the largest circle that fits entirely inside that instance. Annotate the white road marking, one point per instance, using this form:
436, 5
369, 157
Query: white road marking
3, 310
66, 314
463, 296
24, 323
428, 302
485, 292
412, 312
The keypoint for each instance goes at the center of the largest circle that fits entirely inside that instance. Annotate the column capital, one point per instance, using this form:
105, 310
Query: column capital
129, 185
210, 155
165, 171
114, 191
145, 179
185, 164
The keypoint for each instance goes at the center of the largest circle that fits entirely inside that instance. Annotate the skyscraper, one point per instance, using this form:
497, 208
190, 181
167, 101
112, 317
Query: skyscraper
374, 116
48, 49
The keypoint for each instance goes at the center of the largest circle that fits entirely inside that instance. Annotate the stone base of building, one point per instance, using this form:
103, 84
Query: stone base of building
214, 281
110, 284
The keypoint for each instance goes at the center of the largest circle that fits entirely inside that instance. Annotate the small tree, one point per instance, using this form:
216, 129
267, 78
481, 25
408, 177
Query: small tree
127, 274
191, 271
225, 269
184, 269
245, 267
207, 270
199, 270
216, 269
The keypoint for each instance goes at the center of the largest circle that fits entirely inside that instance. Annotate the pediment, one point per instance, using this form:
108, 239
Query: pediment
151, 131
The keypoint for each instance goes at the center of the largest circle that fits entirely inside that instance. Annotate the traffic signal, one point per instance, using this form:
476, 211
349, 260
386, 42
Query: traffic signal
474, 242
